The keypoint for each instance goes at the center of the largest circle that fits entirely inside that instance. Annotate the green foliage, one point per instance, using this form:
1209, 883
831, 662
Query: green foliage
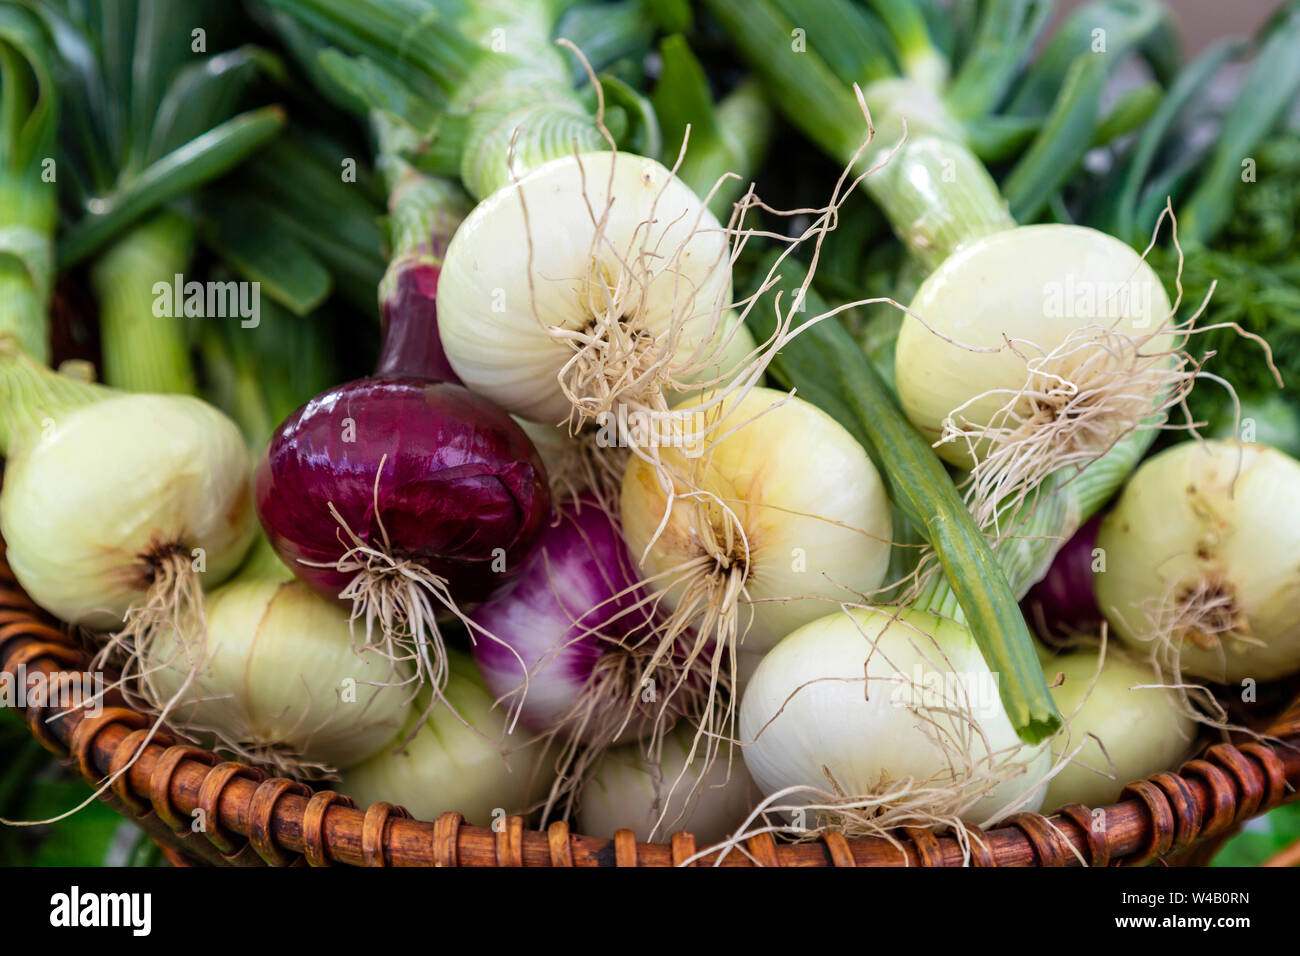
35, 786
1261, 837
1254, 263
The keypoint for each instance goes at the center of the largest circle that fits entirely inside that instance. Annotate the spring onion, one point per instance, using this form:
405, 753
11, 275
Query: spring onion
571, 641
771, 537
628, 790
279, 683
165, 479
631, 297
878, 717
1120, 726
402, 496
454, 754
1200, 570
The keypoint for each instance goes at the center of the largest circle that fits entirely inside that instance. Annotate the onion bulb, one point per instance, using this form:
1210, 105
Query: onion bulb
574, 603
791, 514
116, 502
1032, 348
883, 718
1141, 726
1201, 565
572, 647
279, 683
654, 797
453, 754
596, 281
405, 497
1064, 601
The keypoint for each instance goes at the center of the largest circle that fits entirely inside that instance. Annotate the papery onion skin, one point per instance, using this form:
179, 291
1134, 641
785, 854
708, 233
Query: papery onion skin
86, 504
1002, 284
280, 673
794, 731
574, 597
629, 791
1143, 729
495, 322
812, 505
1221, 515
461, 488
1065, 598
448, 765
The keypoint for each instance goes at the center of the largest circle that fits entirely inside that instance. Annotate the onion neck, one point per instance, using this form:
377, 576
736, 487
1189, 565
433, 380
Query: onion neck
934, 190
424, 212
145, 352
32, 397
27, 219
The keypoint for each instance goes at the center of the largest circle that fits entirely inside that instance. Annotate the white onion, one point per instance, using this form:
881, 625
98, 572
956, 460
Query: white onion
1201, 562
808, 711
1037, 284
280, 681
599, 239
1142, 728
813, 510
462, 760
627, 790
94, 503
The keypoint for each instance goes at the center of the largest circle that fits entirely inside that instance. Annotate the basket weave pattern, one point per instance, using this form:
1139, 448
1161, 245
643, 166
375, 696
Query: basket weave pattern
229, 814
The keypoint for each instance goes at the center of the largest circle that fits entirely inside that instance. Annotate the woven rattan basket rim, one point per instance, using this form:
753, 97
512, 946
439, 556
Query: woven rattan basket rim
225, 813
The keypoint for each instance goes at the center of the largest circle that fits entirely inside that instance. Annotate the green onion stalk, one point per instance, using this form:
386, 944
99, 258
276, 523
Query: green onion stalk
1238, 206
149, 116
303, 218
144, 335
28, 174
1205, 180
423, 213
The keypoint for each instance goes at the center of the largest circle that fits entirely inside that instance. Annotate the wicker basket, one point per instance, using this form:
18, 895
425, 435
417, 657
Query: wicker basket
250, 819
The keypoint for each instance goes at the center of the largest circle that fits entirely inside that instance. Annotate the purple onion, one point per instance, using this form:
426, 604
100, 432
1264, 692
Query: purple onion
576, 599
1064, 601
461, 492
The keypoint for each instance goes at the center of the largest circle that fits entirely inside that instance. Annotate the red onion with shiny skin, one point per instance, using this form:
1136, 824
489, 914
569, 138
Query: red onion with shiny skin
404, 493
462, 492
